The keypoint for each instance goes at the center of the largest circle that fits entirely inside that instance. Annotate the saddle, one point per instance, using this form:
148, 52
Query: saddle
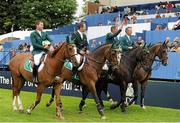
29, 63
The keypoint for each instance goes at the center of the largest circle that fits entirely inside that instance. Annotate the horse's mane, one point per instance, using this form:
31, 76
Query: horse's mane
57, 49
99, 47
151, 45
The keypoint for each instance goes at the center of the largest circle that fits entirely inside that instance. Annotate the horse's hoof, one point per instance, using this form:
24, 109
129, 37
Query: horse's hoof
14, 109
80, 112
29, 111
48, 104
21, 111
81, 108
123, 110
113, 106
59, 114
103, 117
143, 107
60, 117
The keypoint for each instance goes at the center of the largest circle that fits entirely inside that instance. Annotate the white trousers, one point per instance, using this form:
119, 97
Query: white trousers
37, 58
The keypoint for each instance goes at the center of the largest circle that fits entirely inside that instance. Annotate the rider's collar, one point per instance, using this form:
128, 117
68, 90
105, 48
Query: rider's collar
81, 34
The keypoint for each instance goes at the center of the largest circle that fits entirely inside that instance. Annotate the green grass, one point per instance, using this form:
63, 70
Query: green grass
43, 114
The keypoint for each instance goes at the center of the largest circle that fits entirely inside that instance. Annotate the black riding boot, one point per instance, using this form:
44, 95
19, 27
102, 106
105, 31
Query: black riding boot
35, 74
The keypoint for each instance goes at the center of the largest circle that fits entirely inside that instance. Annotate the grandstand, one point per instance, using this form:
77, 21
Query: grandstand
144, 27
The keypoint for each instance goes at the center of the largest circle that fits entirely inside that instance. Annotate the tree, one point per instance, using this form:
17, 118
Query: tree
9, 14
23, 13
55, 12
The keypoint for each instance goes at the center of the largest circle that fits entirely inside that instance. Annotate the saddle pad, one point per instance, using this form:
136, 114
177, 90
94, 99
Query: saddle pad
68, 65
27, 65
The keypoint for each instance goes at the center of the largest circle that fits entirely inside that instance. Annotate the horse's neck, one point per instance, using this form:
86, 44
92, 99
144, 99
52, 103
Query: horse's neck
54, 64
152, 55
98, 57
129, 60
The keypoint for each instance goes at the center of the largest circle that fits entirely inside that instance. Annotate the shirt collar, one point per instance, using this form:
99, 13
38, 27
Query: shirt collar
128, 36
39, 32
81, 34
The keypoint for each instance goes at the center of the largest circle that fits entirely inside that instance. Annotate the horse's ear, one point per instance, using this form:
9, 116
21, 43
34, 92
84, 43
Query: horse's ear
165, 43
144, 45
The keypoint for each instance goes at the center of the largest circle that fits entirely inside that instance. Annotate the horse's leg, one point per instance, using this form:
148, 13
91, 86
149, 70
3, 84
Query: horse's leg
84, 96
143, 88
123, 88
40, 89
92, 88
135, 88
57, 89
51, 100
17, 84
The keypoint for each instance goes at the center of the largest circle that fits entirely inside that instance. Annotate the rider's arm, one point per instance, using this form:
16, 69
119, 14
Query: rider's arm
34, 43
114, 35
49, 39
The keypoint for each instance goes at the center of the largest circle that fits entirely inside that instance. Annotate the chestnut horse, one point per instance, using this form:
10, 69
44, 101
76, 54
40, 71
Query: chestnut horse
143, 70
91, 71
47, 76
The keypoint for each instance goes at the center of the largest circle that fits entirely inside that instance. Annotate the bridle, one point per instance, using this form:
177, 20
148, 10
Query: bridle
158, 61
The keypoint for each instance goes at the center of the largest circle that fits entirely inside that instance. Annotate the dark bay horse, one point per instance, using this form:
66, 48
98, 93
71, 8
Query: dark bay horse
143, 70
122, 75
92, 70
47, 76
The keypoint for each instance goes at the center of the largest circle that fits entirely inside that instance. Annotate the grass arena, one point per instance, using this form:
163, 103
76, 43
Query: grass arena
71, 113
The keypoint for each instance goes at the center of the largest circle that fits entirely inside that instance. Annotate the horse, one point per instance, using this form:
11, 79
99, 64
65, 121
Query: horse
143, 70
122, 75
91, 71
47, 76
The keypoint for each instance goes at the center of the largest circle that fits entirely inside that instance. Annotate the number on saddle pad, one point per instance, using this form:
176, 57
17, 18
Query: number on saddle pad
27, 65
68, 65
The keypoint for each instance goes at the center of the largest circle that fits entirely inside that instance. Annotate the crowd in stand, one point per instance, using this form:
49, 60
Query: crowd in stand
25, 47
130, 10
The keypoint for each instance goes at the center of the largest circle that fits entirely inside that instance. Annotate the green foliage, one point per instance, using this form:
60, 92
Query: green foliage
24, 13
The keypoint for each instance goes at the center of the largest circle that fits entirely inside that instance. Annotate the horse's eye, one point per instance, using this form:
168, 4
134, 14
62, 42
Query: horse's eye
113, 54
70, 49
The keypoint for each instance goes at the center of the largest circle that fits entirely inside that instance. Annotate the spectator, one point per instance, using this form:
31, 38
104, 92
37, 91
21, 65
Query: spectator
1, 47
13, 52
169, 7
139, 42
163, 16
127, 10
158, 15
158, 27
175, 45
157, 8
168, 42
116, 20
133, 19
24, 47
20, 47
125, 19
93, 44
115, 9
176, 26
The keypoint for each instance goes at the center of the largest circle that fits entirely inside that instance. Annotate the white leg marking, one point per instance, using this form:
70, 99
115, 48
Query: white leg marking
20, 103
14, 103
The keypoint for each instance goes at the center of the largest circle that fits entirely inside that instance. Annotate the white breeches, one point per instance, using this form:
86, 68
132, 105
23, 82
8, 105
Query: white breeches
37, 58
